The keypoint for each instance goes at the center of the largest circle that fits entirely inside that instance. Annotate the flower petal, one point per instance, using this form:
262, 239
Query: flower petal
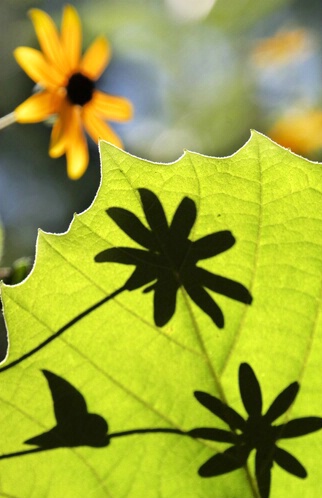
71, 36
38, 107
57, 140
60, 130
96, 58
299, 131
68, 137
48, 38
98, 129
76, 145
111, 107
38, 69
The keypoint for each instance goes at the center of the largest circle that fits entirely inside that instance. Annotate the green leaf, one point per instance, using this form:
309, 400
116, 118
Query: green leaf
115, 327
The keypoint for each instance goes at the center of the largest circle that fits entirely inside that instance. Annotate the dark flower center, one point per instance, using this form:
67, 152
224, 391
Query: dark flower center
80, 89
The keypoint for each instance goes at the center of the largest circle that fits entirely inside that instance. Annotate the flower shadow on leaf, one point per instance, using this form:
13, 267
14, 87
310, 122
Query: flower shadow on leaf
170, 261
254, 433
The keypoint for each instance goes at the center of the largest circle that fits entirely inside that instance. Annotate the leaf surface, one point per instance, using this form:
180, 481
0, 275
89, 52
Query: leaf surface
76, 318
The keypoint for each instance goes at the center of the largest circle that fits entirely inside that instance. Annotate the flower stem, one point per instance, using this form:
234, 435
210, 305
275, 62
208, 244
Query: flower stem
7, 120
62, 330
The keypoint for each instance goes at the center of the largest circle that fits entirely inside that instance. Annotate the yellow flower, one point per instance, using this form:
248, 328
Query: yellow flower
299, 131
282, 48
67, 89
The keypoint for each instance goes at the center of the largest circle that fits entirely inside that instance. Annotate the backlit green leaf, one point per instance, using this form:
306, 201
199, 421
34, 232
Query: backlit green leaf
117, 325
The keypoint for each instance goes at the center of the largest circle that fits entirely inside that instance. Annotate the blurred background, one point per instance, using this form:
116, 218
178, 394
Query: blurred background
200, 74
